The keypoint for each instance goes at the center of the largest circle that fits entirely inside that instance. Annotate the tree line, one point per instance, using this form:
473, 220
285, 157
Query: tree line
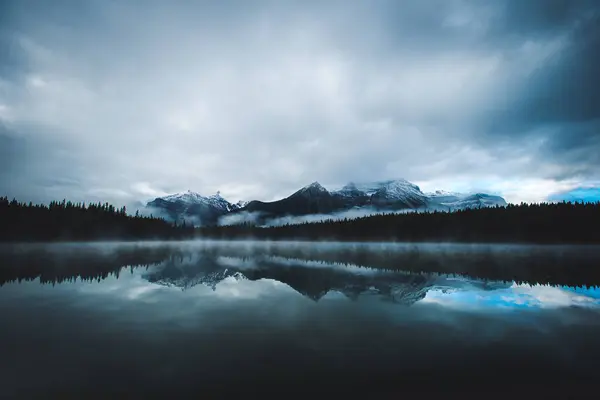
547, 223
68, 221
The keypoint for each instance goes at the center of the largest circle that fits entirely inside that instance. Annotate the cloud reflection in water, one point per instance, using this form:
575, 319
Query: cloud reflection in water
518, 296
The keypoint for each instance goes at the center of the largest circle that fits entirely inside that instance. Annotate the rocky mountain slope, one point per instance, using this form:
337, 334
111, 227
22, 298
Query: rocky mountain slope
457, 201
191, 207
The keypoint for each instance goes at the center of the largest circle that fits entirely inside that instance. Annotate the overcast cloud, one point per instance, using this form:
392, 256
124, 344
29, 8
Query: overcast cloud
123, 101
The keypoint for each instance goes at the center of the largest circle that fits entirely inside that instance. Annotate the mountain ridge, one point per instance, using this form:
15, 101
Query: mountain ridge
191, 207
314, 199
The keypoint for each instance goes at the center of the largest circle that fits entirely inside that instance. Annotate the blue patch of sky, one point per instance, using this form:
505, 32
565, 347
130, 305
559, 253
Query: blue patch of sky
577, 195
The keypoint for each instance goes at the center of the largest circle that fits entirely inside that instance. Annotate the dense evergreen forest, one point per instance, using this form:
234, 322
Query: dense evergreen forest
67, 221
551, 223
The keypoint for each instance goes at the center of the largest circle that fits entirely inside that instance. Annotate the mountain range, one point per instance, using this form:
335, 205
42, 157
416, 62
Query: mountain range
353, 199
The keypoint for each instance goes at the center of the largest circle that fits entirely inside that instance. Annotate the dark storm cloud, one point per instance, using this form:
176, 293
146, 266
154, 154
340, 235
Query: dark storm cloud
561, 90
561, 105
560, 102
256, 98
539, 16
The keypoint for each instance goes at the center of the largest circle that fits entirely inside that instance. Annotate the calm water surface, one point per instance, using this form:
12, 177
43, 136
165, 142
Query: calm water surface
210, 320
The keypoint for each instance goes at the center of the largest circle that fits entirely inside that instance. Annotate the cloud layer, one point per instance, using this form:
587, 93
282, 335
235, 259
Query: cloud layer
107, 100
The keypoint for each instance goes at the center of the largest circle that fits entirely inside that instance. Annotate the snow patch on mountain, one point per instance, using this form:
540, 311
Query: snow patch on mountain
215, 200
191, 207
189, 197
315, 185
241, 204
399, 189
477, 200
444, 193
389, 190
314, 189
350, 190
446, 200
314, 203
186, 197
394, 187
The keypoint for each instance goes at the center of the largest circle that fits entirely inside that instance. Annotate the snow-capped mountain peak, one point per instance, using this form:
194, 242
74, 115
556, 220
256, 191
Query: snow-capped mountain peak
369, 188
314, 185
187, 196
192, 207
314, 188
400, 187
217, 201
441, 193
389, 193
399, 190
453, 200
350, 190
241, 203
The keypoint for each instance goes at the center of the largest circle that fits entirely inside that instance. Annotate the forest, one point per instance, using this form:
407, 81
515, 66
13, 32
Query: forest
550, 223
67, 221
544, 223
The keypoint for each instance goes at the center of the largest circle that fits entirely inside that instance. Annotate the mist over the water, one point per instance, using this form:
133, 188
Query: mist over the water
557, 265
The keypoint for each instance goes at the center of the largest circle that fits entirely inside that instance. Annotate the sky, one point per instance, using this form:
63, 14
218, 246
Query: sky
124, 101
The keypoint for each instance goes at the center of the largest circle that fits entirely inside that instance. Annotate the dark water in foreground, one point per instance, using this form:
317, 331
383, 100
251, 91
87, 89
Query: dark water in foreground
206, 320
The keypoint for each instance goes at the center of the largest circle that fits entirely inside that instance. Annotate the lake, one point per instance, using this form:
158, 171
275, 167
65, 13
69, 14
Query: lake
258, 319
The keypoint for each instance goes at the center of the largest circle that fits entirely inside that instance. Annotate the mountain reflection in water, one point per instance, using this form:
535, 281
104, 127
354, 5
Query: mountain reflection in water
193, 318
